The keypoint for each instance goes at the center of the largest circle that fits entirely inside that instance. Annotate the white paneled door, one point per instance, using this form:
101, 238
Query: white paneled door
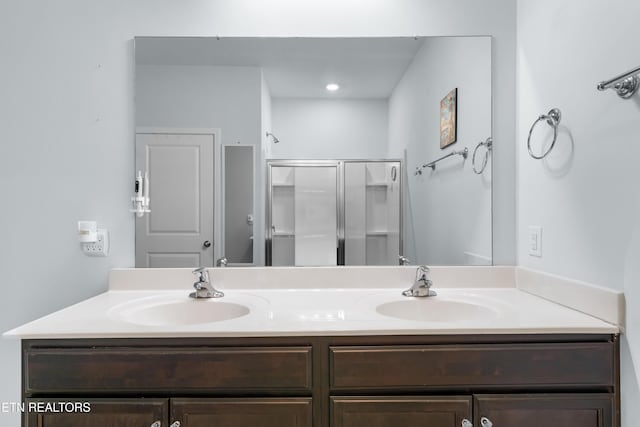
179, 231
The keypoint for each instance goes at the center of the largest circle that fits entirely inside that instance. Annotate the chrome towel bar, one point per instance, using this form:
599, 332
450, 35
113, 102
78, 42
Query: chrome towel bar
625, 84
464, 153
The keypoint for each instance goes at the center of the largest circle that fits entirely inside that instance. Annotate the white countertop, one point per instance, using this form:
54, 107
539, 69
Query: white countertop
282, 310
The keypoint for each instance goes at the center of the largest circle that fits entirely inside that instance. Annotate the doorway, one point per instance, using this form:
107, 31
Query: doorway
182, 229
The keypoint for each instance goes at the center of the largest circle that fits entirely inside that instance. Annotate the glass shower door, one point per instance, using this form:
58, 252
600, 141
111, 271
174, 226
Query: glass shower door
303, 214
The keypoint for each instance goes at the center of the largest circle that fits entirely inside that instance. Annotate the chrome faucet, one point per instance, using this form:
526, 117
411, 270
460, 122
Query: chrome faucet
222, 262
203, 287
403, 260
422, 285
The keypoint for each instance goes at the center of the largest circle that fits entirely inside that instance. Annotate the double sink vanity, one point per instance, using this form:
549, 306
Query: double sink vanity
339, 347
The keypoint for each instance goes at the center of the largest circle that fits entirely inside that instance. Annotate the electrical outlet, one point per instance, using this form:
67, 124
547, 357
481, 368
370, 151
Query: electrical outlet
98, 248
535, 240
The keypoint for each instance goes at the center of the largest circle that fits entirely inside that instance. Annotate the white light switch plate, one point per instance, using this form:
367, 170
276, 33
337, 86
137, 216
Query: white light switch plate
534, 240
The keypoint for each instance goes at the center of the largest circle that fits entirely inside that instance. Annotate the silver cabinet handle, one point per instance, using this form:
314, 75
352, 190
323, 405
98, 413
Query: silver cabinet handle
175, 424
466, 423
156, 424
486, 422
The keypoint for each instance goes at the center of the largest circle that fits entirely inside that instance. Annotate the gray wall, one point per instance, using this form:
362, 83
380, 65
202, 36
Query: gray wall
329, 128
201, 97
586, 193
67, 120
447, 210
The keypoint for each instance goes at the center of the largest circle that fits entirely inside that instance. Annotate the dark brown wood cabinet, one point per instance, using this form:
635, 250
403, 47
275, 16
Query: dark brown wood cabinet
392, 411
95, 412
557, 410
358, 381
527, 366
521, 410
157, 368
189, 412
262, 412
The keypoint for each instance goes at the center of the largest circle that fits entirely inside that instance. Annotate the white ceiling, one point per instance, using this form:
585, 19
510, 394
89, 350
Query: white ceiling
295, 67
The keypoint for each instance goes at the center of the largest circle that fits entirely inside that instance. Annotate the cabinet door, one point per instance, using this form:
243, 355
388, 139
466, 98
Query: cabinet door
534, 410
254, 412
96, 412
415, 411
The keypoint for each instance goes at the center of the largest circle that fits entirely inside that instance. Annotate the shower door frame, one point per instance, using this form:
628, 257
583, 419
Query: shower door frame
340, 202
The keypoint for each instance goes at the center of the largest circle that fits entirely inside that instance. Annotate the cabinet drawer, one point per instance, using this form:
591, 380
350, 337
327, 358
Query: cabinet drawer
567, 410
513, 366
94, 412
219, 370
410, 411
235, 412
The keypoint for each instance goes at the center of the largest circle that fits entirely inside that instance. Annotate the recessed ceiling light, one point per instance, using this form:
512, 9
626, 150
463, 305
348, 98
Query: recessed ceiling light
332, 87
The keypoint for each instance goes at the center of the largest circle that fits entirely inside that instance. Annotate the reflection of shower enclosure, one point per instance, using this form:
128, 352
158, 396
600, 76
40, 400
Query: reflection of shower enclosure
333, 212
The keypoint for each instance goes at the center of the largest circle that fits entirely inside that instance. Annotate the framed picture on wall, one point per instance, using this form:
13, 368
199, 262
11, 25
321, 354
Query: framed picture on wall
448, 118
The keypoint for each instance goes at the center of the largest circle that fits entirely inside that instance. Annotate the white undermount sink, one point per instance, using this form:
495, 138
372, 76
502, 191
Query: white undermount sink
433, 309
177, 311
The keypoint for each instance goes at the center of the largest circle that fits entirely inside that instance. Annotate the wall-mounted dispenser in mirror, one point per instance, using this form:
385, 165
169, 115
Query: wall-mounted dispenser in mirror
248, 90
140, 199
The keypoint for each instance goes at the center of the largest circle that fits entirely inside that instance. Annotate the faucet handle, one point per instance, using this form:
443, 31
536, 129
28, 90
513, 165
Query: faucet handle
201, 274
422, 274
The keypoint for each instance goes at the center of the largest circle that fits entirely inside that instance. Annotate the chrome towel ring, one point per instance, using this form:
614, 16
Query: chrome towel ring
488, 143
553, 119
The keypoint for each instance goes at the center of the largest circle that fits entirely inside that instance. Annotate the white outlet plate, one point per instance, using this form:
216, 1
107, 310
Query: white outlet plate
534, 240
99, 247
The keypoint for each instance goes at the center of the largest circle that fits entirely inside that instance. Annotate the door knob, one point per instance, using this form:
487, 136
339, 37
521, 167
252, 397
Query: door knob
206, 244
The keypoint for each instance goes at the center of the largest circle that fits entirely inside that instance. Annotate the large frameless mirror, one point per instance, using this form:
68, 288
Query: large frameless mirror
314, 151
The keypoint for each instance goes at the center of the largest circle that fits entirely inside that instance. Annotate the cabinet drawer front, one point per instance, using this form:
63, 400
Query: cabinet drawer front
567, 410
415, 411
263, 412
574, 365
211, 370
94, 412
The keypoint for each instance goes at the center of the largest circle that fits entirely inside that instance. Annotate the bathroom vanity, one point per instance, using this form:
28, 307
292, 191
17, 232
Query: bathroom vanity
568, 380
323, 357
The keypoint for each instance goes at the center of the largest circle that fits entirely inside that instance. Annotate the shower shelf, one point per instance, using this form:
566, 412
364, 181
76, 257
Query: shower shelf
283, 234
378, 233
